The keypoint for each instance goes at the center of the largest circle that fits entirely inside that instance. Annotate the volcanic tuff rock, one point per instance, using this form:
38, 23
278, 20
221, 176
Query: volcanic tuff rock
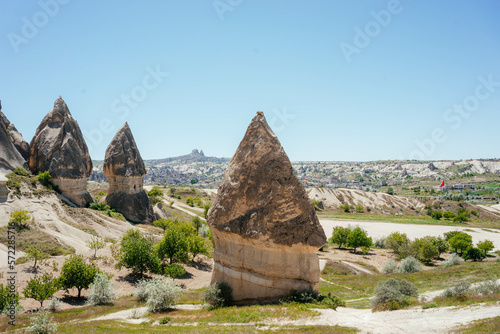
264, 226
59, 147
13, 148
125, 170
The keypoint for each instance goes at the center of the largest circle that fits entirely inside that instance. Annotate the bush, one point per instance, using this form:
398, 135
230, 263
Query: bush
359, 209
218, 294
302, 296
453, 260
160, 295
390, 191
430, 305
399, 243
155, 195
54, 305
339, 235
21, 171
165, 320
35, 254
45, 179
333, 301
95, 243
458, 292
437, 215
380, 242
393, 294
474, 254
42, 323
390, 267
189, 201
487, 287
101, 290
198, 245
448, 215
409, 265
345, 207
98, 206
174, 270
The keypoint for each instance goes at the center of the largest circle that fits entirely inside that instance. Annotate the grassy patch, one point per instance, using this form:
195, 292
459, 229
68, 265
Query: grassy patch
489, 325
192, 296
36, 237
427, 280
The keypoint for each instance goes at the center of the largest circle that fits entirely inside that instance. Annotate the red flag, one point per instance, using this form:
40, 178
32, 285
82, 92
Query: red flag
442, 184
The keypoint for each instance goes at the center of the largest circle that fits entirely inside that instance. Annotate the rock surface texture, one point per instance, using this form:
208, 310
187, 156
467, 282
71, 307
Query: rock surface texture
265, 230
125, 170
59, 147
14, 150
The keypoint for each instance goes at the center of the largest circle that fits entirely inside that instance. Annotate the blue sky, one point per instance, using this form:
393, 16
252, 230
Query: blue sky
337, 80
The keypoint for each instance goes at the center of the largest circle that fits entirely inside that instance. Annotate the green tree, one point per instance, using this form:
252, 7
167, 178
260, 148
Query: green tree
163, 223
194, 181
399, 243
137, 253
173, 246
390, 191
448, 215
424, 249
485, 246
339, 235
359, 209
35, 254
437, 215
155, 195
41, 288
197, 223
20, 220
358, 238
172, 192
8, 297
45, 179
206, 207
460, 242
76, 273
95, 243
198, 245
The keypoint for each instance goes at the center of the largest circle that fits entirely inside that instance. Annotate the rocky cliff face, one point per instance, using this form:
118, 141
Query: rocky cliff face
265, 230
59, 147
125, 170
14, 150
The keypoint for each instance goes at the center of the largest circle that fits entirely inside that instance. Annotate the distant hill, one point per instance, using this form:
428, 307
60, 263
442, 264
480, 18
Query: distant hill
194, 156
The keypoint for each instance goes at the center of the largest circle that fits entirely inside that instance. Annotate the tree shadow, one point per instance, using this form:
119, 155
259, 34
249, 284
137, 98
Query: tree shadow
74, 301
201, 266
131, 278
186, 275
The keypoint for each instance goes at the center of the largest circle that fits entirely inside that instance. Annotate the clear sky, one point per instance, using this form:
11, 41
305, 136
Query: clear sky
337, 80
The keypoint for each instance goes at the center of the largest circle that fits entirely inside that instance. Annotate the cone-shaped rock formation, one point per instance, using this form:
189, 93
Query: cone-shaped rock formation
59, 147
265, 230
14, 150
125, 170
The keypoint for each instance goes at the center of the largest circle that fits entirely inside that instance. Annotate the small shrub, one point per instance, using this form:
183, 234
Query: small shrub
159, 294
20, 220
302, 296
390, 267
474, 254
174, 270
333, 301
448, 215
21, 171
437, 215
380, 242
393, 294
165, 320
218, 294
430, 305
42, 323
409, 265
453, 260
162, 295
54, 305
488, 287
458, 292
359, 209
101, 290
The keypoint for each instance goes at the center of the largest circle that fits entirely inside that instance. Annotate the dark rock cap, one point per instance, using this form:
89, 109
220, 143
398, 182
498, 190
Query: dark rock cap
59, 147
260, 196
122, 155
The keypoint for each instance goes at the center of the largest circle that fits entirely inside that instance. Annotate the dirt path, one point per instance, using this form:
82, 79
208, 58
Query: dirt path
358, 267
